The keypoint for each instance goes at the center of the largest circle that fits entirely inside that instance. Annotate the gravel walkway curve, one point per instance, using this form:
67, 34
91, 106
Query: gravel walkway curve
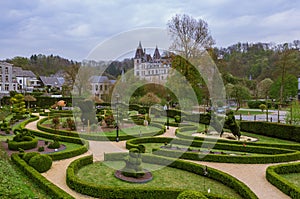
253, 175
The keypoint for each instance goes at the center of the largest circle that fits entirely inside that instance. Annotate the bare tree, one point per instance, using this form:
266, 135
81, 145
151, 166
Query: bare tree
189, 35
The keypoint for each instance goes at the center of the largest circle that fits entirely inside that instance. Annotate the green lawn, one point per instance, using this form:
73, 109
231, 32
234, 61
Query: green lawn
163, 177
267, 139
14, 183
293, 178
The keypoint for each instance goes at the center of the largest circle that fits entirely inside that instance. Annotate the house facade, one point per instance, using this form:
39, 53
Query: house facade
100, 86
151, 68
16, 79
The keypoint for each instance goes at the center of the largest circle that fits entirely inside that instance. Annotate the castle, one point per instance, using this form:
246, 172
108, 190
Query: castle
153, 69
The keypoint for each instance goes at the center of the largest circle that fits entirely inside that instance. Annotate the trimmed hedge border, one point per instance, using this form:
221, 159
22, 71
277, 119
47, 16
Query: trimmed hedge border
274, 155
273, 176
277, 130
61, 154
180, 134
214, 174
117, 192
13, 145
97, 137
51, 189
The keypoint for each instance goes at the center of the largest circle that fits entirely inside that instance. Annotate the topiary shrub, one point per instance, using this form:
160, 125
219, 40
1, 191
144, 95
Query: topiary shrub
41, 162
189, 194
55, 144
29, 155
133, 166
41, 148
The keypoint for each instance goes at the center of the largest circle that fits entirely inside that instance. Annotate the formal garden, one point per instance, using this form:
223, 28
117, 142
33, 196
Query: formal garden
156, 166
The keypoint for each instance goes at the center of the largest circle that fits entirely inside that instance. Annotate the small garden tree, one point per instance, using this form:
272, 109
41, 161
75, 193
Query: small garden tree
18, 105
150, 99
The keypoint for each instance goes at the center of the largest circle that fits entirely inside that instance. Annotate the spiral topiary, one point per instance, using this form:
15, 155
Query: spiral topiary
133, 166
41, 162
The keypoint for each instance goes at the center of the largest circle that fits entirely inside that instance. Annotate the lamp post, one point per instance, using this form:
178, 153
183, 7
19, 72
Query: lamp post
83, 119
117, 123
166, 108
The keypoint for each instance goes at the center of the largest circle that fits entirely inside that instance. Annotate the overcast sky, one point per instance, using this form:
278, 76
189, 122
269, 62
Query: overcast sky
72, 28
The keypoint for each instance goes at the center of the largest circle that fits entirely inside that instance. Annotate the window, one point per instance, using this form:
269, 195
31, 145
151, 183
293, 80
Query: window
14, 87
96, 87
105, 87
6, 78
101, 87
137, 73
6, 70
6, 87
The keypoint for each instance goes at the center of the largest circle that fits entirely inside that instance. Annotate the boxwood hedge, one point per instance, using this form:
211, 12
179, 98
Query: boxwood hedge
51, 190
214, 174
277, 130
30, 144
97, 137
273, 176
64, 154
264, 154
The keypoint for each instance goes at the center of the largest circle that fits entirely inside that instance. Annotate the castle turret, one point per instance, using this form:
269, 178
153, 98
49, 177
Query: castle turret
156, 55
139, 53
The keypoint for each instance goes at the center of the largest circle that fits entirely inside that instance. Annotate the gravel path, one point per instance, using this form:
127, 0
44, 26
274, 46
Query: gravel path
253, 175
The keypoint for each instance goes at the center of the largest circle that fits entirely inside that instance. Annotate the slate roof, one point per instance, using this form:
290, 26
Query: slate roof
52, 81
19, 72
98, 79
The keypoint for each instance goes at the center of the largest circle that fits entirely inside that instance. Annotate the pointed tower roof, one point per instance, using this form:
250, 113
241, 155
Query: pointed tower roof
139, 53
156, 54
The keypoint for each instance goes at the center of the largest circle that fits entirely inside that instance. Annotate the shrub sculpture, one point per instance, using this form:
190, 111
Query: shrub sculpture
29, 155
41, 162
4, 126
55, 144
22, 139
133, 166
232, 124
189, 194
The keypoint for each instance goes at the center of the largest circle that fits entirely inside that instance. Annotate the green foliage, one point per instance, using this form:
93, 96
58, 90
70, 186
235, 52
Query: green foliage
189, 194
12, 183
256, 104
177, 118
293, 116
18, 105
133, 162
54, 145
27, 156
232, 124
262, 107
150, 99
55, 122
224, 178
275, 130
71, 124
273, 176
290, 88
29, 144
41, 162
240, 93
41, 181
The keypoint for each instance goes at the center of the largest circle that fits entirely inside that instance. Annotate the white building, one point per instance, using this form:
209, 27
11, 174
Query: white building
16, 79
153, 69
101, 86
